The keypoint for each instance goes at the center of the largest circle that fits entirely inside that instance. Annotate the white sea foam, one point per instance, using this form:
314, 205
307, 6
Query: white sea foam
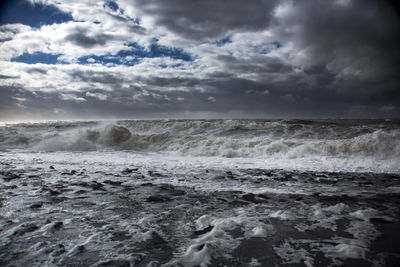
259, 231
264, 208
200, 252
324, 145
345, 249
353, 251
294, 255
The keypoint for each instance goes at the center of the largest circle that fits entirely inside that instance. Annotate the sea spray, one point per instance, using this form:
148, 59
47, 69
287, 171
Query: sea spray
361, 140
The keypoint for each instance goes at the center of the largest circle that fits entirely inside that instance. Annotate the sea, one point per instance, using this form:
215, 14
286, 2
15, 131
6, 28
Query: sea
237, 192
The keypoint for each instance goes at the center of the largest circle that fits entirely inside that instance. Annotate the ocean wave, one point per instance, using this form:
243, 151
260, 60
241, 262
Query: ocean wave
224, 138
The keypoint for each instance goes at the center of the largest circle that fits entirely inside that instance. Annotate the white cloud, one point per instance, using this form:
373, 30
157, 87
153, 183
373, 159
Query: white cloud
285, 9
97, 95
72, 97
212, 99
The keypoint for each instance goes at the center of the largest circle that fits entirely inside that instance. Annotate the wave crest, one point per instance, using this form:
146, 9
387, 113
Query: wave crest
225, 138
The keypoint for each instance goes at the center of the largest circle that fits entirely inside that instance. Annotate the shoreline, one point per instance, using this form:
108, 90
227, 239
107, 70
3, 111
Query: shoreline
137, 216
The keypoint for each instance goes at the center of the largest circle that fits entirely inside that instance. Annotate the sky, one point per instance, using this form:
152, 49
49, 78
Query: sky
147, 59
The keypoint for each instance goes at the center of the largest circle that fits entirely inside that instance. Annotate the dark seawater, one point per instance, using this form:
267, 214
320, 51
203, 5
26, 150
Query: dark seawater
200, 193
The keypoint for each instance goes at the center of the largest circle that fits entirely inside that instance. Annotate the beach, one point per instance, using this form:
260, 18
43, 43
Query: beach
200, 193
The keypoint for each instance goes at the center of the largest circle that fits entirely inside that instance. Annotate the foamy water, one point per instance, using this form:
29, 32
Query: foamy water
331, 145
200, 193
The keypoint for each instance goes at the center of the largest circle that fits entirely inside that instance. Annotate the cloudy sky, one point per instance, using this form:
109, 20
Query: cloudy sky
69, 59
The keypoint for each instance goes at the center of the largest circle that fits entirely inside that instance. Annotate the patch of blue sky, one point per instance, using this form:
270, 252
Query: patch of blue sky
114, 7
164, 66
122, 58
34, 15
270, 46
111, 5
134, 20
38, 57
156, 50
127, 57
5, 39
134, 55
223, 41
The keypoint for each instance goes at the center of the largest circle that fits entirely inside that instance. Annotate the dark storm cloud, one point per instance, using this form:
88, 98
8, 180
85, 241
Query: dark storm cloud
131, 23
349, 45
170, 82
254, 65
7, 102
351, 57
37, 70
95, 77
81, 37
8, 77
136, 28
358, 38
336, 58
204, 19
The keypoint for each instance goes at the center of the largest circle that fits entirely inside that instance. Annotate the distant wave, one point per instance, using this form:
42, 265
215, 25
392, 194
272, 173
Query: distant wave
224, 138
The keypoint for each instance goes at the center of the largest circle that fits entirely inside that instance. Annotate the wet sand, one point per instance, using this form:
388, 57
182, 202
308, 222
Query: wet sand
55, 215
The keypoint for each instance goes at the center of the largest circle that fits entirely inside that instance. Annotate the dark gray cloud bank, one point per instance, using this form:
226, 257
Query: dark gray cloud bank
178, 58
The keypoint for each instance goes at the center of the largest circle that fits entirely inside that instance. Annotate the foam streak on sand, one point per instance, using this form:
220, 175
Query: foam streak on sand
202, 192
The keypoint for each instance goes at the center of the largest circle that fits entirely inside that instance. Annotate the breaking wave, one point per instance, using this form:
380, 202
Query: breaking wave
224, 138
